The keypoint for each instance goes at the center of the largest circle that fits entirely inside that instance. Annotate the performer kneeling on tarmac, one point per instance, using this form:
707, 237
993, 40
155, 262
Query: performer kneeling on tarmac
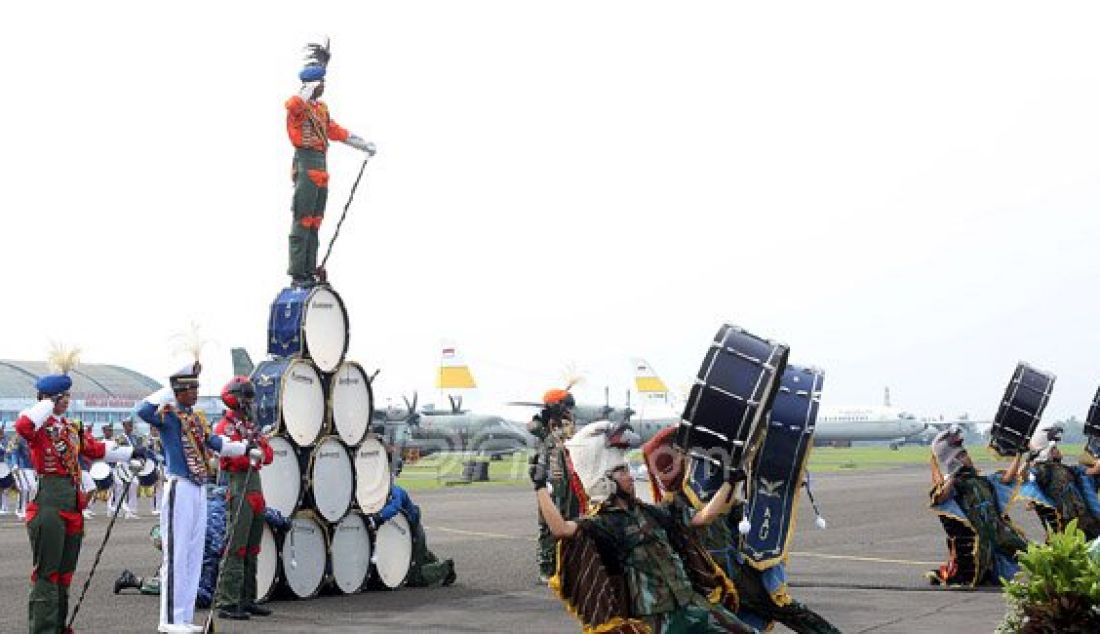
758, 601
425, 570
237, 582
55, 523
631, 566
982, 542
1059, 493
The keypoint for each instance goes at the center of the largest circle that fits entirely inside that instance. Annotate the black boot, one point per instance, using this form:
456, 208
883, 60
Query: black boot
233, 612
256, 609
127, 580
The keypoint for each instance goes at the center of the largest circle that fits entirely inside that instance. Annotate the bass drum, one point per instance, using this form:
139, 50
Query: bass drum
282, 479
290, 398
304, 555
372, 475
1021, 408
267, 564
102, 475
309, 323
331, 479
351, 403
350, 554
392, 553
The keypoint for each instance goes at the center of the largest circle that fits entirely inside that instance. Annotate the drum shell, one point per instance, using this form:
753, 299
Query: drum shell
392, 540
352, 524
329, 509
371, 465
334, 382
1021, 408
288, 323
304, 421
724, 419
282, 449
270, 544
315, 527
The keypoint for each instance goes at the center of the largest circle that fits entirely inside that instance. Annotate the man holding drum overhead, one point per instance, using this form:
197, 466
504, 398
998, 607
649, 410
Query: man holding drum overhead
982, 542
185, 437
236, 598
1059, 493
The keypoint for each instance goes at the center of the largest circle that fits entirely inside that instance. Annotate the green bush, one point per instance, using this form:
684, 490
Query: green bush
1057, 588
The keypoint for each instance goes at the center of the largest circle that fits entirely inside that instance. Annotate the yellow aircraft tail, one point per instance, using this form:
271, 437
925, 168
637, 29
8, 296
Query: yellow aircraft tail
648, 385
454, 374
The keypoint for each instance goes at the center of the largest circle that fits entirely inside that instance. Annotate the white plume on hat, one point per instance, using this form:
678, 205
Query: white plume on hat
1044, 439
593, 459
947, 447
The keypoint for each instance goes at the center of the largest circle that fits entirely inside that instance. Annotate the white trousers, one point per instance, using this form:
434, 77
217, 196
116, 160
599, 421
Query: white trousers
129, 504
183, 536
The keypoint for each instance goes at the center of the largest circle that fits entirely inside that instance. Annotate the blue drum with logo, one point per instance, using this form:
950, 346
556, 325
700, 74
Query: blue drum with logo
309, 323
290, 398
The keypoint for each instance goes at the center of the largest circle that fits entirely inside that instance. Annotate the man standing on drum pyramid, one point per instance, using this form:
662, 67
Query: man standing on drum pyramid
185, 437
54, 521
236, 587
552, 427
310, 129
982, 542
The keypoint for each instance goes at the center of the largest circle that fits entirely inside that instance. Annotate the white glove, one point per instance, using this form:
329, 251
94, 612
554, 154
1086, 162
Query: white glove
358, 143
161, 397
255, 456
116, 453
231, 449
40, 412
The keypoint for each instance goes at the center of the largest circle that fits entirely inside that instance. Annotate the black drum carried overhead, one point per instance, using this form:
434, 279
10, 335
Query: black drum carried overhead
1021, 408
725, 416
1092, 427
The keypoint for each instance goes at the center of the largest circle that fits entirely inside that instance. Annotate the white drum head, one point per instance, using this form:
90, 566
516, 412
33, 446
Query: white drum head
393, 551
332, 480
5, 470
352, 404
147, 468
302, 403
282, 479
372, 475
304, 556
350, 554
100, 471
266, 564
325, 326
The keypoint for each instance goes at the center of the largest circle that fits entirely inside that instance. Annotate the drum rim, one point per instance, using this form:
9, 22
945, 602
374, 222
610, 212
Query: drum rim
408, 569
277, 574
297, 469
370, 546
304, 350
325, 577
389, 471
330, 411
308, 476
279, 403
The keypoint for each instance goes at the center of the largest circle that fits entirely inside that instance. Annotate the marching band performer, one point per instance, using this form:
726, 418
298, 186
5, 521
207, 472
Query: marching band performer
129, 439
54, 520
26, 480
761, 598
185, 437
553, 426
628, 564
1057, 492
982, 542
310, 129
4, 444
117, 485
237, 584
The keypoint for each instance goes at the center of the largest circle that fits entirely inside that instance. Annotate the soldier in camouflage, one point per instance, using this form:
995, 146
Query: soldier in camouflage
552, 427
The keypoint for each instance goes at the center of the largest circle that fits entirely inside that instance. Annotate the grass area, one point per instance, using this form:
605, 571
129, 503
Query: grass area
440, 470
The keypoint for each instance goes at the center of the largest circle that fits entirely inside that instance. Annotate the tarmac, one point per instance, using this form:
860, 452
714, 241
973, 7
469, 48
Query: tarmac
864, 572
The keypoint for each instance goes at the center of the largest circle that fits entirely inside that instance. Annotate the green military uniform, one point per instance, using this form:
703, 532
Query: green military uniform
56, 521
566, 499
237, 585
1060, 485
660, 590
427, 570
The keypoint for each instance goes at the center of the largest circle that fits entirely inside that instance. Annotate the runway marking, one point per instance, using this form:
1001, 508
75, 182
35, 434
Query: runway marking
477, 533
877, 560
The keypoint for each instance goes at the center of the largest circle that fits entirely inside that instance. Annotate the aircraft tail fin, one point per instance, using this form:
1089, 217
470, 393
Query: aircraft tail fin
647, 383
454, 374
242, 363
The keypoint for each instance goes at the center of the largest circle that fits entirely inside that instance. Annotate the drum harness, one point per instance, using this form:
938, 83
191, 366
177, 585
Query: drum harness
106, 536
351, 195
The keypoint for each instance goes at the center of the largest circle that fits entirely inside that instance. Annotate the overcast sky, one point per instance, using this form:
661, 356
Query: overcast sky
907, 195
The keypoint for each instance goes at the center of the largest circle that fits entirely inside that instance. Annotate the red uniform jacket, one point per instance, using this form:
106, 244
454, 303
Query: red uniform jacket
233, 427
56, 445
309, 126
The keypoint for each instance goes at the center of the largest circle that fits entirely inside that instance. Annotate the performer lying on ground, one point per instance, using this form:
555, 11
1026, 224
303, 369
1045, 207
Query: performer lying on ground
425, 570
630, 566
763, 598
982, 542
1059, 493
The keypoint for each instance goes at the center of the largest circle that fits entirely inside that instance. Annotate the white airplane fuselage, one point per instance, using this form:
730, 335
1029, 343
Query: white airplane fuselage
865, 423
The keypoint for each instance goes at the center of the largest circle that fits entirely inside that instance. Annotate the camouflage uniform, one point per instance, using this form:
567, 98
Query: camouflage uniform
1060, 484
554, 454
660, 591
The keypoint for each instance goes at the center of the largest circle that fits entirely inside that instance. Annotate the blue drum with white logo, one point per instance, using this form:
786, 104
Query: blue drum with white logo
309, 323
290, 398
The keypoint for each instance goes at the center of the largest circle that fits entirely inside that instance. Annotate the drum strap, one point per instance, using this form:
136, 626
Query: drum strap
194, 451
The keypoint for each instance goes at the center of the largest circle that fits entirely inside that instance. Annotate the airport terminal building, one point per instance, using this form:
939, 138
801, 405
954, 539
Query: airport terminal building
100, 393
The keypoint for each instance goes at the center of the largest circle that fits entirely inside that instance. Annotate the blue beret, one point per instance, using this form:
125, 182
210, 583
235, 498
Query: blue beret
53, 384
312, 73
